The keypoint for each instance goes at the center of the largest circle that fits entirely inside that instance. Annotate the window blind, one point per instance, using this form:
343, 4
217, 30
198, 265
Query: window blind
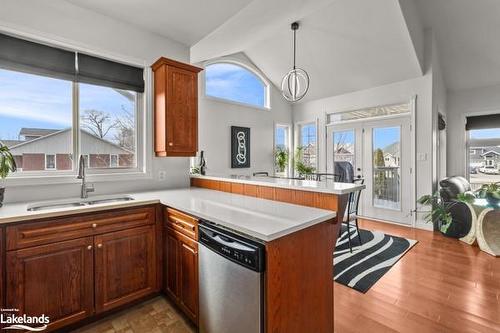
483, 122
25, 56
108, 73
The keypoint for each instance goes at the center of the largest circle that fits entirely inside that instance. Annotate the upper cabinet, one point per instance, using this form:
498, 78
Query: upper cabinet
176, 108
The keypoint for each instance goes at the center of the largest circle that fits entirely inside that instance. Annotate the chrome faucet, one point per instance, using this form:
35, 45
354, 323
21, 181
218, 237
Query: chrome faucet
81, 175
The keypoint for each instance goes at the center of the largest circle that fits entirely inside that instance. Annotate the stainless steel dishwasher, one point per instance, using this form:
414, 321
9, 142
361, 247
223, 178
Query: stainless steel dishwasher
231, 273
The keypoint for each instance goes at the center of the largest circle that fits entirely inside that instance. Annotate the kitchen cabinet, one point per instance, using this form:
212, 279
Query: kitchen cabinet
69, 277
55, 279
181, 256
125, 267
176, 108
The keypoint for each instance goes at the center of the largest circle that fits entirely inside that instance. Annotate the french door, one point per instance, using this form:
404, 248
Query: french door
380, 152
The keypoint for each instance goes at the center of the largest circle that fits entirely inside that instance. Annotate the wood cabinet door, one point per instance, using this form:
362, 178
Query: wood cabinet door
125, 267
182, 112
171, 255
188, 276
55, 280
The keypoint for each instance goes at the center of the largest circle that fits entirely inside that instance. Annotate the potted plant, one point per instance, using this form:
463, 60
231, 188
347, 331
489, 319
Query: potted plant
301, 167
440, 210
7, 165
281, 159
490, 192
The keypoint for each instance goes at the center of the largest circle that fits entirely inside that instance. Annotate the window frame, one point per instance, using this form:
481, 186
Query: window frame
289, 144
254, 71
117, 160
298, 138
144, 125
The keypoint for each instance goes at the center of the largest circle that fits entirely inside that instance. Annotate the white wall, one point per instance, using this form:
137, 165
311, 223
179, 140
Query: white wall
66, 24
460, 104
216, 118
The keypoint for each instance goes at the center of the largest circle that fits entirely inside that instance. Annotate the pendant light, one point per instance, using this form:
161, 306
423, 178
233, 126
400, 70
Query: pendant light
295, 83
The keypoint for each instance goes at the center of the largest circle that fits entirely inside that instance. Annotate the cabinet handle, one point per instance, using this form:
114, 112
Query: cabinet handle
99, 246
94, 225
89, 247
170, 144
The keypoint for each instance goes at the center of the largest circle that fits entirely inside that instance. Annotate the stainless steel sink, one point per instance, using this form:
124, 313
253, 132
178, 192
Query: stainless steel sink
68, 203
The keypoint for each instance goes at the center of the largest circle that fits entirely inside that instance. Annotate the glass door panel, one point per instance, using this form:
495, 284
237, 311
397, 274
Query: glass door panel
386, 152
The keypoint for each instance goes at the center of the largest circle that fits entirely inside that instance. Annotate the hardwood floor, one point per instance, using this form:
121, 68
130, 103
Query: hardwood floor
441, 285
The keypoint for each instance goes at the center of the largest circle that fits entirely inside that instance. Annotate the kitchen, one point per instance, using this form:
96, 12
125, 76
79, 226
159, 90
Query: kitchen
106, 246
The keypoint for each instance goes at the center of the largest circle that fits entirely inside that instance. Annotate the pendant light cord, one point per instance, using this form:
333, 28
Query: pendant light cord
294, 47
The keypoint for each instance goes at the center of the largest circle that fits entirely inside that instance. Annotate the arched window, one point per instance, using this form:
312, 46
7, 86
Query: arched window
236, 83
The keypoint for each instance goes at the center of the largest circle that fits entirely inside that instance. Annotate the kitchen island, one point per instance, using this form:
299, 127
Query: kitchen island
298, 240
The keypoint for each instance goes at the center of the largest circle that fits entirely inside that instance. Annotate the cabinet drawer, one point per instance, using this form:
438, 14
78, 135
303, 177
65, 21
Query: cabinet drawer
182, 223
57, 229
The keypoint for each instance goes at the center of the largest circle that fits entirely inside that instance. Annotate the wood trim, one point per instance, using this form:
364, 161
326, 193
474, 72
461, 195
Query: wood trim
299, 281
50, 230
328, 201
170, 62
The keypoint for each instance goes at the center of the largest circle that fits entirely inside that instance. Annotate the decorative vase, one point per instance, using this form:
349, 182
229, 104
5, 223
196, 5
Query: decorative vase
2, 191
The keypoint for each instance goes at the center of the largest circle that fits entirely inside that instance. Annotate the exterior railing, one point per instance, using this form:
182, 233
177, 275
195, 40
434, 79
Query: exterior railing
386, 183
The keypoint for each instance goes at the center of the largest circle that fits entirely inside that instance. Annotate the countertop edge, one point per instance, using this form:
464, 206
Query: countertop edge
283, 186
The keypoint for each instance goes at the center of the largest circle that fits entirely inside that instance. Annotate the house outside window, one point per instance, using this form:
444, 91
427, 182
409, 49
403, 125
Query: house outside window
237, 83
483, 157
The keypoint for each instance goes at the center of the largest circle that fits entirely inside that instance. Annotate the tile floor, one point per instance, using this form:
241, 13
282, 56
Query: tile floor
157, 315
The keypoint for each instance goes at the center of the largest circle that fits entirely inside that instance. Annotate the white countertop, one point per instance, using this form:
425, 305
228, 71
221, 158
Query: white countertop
265, 220
326, 186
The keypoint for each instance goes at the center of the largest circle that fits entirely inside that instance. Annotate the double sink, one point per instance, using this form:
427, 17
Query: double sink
68, 203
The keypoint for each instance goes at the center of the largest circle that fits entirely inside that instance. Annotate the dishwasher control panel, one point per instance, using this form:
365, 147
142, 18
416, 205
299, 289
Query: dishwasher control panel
234, 247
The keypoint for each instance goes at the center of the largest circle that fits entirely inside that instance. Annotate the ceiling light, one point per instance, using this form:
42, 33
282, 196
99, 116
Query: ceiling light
295, 83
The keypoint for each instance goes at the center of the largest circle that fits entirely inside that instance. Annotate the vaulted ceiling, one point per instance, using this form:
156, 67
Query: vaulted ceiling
466, 33
345, 45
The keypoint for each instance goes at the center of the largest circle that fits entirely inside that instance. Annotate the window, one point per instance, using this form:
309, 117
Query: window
308, 144
484, 156
236, 83
50, 162
113, 161
47, 91
282, 148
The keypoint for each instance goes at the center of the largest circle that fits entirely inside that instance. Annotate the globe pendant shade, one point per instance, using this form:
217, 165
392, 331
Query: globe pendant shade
295, 85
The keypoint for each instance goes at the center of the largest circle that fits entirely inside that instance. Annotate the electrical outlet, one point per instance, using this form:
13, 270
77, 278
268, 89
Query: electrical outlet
162, 175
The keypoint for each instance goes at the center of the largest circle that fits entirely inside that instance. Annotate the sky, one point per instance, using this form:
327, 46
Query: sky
35, 101
235, 83
485, 133
385, 136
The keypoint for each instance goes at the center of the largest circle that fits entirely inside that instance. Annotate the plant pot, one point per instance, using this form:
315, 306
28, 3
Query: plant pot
2, 191
492, 200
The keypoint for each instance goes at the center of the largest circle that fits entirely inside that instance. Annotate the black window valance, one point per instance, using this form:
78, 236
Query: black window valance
25, 56
483, 122
108, 73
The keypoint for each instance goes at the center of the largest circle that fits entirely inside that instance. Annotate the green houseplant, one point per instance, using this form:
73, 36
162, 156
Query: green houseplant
301, 167
7, 165
440, 210
490, 192
281, 159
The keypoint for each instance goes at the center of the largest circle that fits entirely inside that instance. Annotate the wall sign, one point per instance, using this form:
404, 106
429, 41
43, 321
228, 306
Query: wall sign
240, 147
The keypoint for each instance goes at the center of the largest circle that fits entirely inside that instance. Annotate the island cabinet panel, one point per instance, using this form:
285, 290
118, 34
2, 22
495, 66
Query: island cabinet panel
301, 300
125, 264
176, 108
56, 280
181, 261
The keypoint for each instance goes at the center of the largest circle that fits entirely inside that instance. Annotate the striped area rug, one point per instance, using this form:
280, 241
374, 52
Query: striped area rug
362, 268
